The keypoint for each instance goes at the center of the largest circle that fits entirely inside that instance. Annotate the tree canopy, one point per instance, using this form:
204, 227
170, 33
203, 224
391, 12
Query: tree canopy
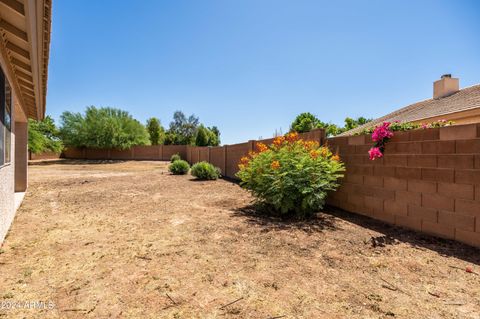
207, 136
43, 136
305, 122
155, 131
185, 130
103, 127
182, 130
353, 123
214, 136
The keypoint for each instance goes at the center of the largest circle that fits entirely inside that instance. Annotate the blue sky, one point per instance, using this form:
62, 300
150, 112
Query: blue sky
250, 66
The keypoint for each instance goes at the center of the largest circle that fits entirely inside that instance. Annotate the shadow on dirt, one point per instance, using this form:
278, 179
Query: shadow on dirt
72, 162
393, 235
258, 216
389, 234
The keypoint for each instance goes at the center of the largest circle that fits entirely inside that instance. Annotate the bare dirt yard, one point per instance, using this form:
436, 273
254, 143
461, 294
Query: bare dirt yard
129, 240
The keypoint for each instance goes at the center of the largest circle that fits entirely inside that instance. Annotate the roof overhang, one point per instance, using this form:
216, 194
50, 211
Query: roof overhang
25, 44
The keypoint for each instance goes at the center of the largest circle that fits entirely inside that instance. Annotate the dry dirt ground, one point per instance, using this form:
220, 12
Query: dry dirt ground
129, 240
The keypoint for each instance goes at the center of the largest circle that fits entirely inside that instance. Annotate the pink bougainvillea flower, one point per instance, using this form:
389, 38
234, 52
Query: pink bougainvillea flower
374, 153
382, 132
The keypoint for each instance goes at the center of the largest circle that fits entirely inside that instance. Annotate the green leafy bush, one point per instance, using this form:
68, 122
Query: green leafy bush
291, 177
205, 170
175, 157
179, 167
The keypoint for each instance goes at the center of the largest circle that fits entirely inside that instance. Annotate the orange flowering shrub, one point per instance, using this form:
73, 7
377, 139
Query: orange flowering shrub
278, 140
291, 176
275, 165
261, 147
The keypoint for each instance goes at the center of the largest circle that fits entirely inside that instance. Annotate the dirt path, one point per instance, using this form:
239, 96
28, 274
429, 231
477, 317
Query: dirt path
128, 240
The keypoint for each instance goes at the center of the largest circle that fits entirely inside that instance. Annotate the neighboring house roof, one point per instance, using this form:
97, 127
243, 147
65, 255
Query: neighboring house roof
462, 100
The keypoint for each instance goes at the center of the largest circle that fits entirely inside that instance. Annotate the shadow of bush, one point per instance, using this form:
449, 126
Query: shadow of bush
72, 162
261, 216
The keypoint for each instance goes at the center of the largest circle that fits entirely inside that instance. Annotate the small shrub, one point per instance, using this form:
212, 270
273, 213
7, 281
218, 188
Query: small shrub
291, 177
175, 157
179, 167
206, 171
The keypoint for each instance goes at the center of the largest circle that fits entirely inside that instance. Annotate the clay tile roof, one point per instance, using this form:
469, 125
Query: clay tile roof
462, 100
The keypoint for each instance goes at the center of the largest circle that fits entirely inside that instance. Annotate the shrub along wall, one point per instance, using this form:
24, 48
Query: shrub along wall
428, 180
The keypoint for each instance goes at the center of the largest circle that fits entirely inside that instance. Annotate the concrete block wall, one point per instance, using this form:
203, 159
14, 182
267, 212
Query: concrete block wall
224, 157
150, 152
147, 152
428, 180
43, 156
169, 150
218, 157
233, 155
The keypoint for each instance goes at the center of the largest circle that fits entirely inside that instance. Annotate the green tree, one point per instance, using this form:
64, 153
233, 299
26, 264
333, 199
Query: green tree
155, 131
214, 136
207, 136
182, 130
43, 136
351, 123
203, 136
332, 130
104, 127
170, 138
304, 122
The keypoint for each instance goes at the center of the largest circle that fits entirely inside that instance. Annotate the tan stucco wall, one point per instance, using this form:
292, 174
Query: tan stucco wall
7, 199
7, 172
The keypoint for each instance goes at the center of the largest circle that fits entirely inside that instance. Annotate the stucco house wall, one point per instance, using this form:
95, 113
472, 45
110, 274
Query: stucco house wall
7, 194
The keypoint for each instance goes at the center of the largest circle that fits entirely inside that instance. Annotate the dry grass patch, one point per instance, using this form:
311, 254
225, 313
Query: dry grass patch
129, 240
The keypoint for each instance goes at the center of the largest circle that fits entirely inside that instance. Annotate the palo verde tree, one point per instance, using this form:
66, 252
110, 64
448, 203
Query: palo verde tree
155, 131
103, 127
43, 136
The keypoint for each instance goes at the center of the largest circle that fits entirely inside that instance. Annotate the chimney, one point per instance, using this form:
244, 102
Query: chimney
445, 86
